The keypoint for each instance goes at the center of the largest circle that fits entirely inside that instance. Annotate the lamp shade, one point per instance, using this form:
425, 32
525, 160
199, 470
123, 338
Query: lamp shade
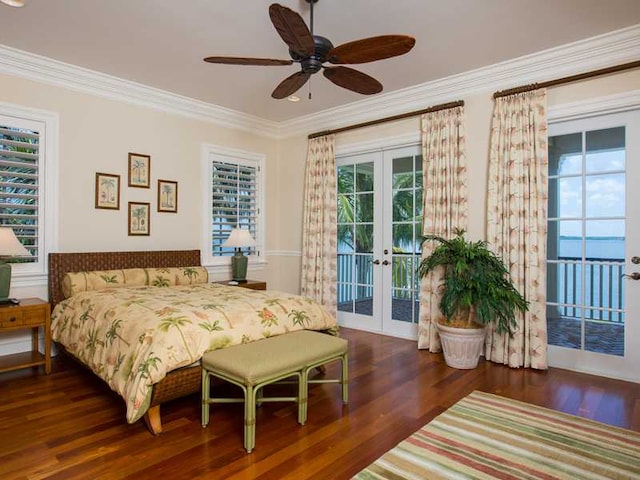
239, 238
10, 246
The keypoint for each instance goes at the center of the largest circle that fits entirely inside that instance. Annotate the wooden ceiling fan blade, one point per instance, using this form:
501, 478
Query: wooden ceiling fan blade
371, 49
292, 29
247, 61
353, 80
290, 85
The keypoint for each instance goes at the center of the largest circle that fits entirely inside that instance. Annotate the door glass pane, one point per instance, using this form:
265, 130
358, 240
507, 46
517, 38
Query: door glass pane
604, 239
564, 327
605, 196
364, 177
364, 207
418, 172
605, 150
565, 154
345, 282
403, 173
345, 238
403, 206
364, 238
364, 300
585, 287
568, 197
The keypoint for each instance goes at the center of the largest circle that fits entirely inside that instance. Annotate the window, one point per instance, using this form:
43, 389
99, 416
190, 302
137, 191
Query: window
27, 175
235, 198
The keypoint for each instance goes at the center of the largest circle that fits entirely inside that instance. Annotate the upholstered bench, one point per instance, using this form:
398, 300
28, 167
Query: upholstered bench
253, 365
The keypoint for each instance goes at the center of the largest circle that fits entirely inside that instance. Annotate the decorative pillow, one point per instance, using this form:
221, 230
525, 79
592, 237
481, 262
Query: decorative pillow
74, 282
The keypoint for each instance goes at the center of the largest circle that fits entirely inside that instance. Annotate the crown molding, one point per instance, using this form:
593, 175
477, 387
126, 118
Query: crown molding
620, 46
620, 102
378, 144
53, 72
613, 48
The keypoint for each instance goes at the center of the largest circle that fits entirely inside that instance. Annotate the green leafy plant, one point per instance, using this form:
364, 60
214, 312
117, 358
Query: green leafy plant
476, 284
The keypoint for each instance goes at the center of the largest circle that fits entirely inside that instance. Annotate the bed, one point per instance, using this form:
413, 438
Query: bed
156, 358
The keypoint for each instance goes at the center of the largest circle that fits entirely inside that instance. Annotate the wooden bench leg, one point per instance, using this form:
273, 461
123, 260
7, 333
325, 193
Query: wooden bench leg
153, 421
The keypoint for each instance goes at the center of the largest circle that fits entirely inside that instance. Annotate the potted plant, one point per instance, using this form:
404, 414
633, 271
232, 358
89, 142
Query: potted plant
476, 291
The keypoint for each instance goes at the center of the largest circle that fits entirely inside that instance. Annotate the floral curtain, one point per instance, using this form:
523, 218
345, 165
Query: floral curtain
444, 203
320, 219
517, 220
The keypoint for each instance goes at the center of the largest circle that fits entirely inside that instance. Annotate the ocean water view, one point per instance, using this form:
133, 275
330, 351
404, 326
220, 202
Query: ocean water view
602, 248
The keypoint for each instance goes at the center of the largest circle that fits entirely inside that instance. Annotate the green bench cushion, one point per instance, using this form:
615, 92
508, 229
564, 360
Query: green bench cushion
258, 361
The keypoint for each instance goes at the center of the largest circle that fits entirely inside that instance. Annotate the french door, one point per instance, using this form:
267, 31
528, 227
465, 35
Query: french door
379, 233
593, 251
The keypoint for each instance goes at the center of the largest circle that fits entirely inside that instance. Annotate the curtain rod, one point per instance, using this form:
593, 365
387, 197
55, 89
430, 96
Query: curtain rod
572, 78
444, 106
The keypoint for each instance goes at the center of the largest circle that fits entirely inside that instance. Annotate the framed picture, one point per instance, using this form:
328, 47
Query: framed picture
139, 170
107, 191
167, 196
139, 217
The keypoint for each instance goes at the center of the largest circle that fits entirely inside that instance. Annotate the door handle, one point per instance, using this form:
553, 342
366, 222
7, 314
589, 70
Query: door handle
376, 262
632, 276
386, 262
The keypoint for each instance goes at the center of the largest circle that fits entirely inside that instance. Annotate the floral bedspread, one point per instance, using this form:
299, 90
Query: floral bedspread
132, 337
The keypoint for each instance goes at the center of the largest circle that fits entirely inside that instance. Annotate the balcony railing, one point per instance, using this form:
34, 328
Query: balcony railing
595, 286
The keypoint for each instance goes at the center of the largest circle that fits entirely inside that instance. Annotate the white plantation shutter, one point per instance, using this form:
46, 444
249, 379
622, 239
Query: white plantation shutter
235, 201
20, 184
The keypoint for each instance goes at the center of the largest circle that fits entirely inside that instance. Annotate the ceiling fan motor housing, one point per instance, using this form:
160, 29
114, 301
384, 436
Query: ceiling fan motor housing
314, 63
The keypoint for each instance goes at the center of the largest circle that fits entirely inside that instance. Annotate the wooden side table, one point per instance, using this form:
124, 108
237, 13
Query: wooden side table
31, 313
252, 284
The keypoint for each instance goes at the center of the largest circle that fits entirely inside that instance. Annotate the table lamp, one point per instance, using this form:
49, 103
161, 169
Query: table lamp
238, 239
10, 246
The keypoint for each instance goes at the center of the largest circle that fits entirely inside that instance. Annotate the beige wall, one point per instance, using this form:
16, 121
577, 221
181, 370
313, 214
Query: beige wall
95, 136
478, 109
97, 133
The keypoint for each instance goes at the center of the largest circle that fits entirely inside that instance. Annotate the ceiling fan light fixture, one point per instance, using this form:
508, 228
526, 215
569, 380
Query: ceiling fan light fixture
13, 3
312, 51
293, 98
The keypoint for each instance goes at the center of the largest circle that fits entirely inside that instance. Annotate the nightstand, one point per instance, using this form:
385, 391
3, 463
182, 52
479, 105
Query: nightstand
30, 314
252, 284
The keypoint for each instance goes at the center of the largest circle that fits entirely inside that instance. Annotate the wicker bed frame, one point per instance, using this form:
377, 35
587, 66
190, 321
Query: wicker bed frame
177, 383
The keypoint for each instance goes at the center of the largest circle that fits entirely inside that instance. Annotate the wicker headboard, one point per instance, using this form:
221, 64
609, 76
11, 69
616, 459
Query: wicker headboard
61, 263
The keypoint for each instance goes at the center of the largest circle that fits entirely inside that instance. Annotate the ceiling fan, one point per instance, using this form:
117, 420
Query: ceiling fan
312, 51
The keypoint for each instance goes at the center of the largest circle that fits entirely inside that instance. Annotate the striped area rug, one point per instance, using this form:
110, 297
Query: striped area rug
485, 436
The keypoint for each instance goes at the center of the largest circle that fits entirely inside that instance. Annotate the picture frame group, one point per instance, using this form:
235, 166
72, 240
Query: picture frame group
107, 194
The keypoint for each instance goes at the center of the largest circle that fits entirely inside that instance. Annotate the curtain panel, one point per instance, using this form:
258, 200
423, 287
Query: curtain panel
320, 224
517, 220
444, 204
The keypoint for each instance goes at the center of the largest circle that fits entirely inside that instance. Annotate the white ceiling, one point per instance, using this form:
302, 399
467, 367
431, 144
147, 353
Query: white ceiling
161, 43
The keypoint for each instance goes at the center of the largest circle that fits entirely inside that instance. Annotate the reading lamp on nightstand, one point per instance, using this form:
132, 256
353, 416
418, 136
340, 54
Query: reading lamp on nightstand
238, 239
10, 246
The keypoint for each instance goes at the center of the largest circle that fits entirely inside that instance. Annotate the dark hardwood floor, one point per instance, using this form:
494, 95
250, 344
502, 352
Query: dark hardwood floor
69, 425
